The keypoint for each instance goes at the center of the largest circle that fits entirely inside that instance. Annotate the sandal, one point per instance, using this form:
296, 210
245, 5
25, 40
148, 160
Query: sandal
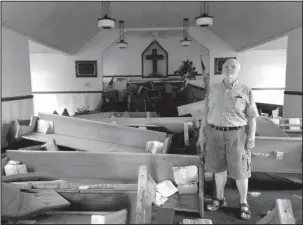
216, 204
245, 213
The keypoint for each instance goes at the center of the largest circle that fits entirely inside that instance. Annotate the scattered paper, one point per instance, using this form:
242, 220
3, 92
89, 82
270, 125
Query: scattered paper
13, 162
97, 219
83, 187
186, 174
14, 169
254, 194
166, 188
160, 199
154, 147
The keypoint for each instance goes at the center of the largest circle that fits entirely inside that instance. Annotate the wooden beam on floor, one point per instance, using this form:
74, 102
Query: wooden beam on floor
281, 214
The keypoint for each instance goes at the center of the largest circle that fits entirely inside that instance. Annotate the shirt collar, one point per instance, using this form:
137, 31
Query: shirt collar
232, 85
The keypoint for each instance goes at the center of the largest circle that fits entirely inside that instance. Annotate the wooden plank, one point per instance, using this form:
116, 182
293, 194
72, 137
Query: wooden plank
285, 213
281, 214
186, 134
102, 165
98, 131
201, 189
171, 124
55, 184
194, 109
291, 162
146, 196
80, 143
111, 187
33, 176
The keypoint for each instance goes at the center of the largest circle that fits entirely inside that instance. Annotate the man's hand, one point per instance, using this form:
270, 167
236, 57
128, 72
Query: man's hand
200, 144
250, 143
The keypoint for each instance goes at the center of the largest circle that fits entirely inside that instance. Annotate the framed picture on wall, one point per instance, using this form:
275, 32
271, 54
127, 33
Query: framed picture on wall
219, 63
85, 68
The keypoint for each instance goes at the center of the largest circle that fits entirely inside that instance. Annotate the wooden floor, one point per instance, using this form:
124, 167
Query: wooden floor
270, 189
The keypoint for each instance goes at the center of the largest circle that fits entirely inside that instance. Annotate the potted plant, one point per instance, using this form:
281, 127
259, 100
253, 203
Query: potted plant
187, 70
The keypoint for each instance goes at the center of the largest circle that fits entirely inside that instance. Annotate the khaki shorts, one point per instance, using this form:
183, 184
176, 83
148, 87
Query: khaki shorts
225, 150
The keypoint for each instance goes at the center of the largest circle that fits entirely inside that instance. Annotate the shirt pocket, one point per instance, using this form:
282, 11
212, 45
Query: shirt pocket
239, 104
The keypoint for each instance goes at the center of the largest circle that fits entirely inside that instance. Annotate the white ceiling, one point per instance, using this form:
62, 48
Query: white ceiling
67, 26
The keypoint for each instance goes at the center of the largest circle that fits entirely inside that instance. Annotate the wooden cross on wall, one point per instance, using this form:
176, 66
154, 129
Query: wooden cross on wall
155, 57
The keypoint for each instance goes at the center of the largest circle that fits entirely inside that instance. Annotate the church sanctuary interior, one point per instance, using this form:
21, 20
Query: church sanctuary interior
151, 112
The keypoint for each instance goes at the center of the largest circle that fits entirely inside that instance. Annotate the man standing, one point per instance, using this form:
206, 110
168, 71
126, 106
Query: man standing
228, 129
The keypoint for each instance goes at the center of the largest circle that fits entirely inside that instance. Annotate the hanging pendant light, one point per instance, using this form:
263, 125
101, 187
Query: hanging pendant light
105, 21
185, 41
121, 43
204, 20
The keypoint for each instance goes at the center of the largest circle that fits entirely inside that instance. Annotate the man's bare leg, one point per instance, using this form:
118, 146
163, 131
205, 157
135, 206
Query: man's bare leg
220, 181
242, 186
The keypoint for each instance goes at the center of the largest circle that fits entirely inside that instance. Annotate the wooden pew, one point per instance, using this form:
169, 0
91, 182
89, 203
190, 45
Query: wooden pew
277, 155
94, 136
171, 124
110, 168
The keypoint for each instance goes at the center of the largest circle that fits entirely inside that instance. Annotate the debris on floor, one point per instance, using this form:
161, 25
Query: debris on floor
254, 194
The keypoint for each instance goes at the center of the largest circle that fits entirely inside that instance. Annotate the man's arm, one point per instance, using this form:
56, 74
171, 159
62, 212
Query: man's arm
252, 125
252, 114
203, 119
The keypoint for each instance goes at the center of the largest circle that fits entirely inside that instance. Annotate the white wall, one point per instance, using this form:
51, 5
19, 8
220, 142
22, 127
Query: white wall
16, 79
293, 103
55, 71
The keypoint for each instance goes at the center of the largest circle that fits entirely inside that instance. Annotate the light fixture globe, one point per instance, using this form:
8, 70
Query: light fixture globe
106, 22
185, 42
204, 21
122, 44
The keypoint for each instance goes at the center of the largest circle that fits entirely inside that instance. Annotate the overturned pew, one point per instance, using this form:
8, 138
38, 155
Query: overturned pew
114, 170
92, 136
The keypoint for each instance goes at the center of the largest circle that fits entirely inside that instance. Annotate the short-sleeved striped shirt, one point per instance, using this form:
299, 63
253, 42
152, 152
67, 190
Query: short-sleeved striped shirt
229, 107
